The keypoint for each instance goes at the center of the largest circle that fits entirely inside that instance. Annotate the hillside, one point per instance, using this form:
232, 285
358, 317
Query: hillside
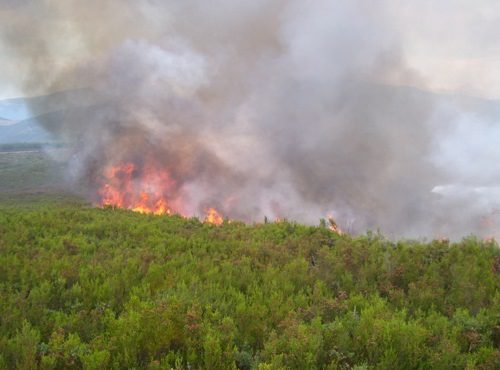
27, 131
5, 122
31, 118
22, 108
104, 288
29, 169
91, 288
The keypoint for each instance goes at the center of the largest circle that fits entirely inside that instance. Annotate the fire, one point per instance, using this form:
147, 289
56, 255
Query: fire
213, 217
142, 190
147, 189
333, 225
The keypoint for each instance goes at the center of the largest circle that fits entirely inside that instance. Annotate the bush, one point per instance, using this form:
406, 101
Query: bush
84, 288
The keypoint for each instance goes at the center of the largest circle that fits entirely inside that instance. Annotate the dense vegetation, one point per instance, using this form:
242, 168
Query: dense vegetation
105, 288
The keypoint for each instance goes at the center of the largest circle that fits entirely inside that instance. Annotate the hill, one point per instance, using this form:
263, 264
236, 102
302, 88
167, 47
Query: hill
5, 122
28, 168
31, 119
27, 131
18, 109
105, 288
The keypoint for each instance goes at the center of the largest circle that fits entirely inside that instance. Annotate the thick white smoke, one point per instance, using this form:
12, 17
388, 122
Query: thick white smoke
278, 108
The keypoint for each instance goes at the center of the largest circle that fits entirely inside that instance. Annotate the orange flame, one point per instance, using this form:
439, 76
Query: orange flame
333, 225
213, 217
145, 190
142, 191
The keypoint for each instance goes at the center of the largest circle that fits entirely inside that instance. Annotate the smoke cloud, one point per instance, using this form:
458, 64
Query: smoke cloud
289, 109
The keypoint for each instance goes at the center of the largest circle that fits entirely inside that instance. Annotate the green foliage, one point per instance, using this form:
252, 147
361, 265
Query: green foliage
84, 288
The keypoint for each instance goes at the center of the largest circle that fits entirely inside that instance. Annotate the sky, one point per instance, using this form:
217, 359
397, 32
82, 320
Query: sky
454, 44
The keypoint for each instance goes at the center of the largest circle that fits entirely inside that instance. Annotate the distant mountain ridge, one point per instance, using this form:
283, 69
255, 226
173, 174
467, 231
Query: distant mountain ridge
23, 119
19, 109
27, 131
6, 122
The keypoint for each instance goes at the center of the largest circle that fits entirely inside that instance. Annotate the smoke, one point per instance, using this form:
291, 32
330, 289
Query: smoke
292, 109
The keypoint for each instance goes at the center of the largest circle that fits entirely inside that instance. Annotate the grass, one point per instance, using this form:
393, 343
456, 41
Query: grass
29, 169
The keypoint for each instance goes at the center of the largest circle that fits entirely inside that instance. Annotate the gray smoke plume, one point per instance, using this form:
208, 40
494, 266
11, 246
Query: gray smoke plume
259, 108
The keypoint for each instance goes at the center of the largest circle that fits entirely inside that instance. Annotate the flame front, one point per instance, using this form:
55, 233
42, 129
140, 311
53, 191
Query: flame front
141, 190
148, 189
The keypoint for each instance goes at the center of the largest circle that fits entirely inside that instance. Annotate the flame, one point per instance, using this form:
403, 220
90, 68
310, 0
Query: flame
148, 189
140, 190
213, 217
333, 225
